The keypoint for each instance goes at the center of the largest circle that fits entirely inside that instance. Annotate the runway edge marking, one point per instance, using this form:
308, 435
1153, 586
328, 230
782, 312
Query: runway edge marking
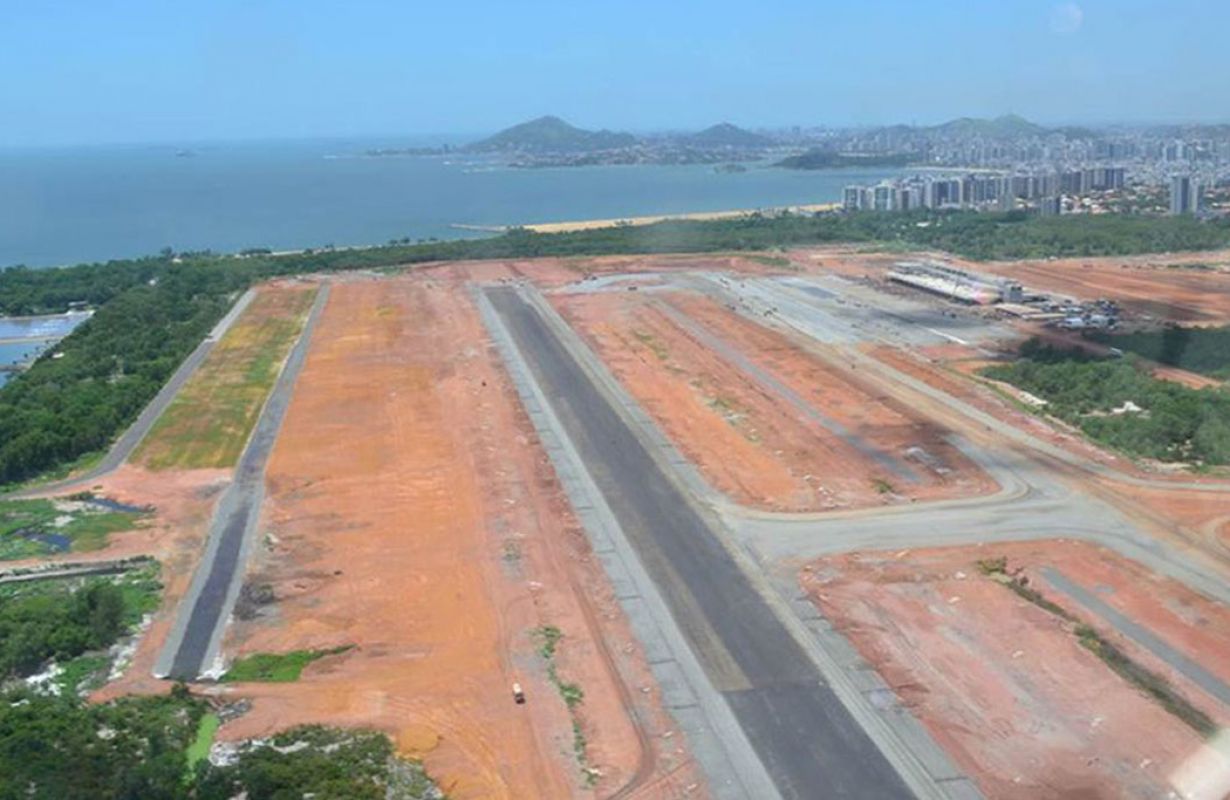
925, 767
714, 735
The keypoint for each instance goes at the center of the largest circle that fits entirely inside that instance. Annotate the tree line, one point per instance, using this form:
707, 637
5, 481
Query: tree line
1119, 403
1203, 350
151, 312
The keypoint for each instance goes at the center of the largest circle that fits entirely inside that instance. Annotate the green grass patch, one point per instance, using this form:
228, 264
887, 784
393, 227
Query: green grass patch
209, 421
198, 751
777, 262
32, 528
83, 673
276, 667
549, 638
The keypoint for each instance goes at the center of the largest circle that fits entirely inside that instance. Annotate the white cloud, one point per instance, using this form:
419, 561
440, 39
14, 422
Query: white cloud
1066, 19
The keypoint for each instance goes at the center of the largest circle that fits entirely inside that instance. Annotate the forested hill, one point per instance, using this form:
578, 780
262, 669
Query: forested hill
726, 135
829, 159
551, 135
152, 312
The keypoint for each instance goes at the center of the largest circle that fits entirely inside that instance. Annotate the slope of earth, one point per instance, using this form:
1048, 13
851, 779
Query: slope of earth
413, 515
769, 424
208, 422
1005, 685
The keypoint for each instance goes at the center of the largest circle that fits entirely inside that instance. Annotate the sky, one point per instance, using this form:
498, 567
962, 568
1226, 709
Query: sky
111, 71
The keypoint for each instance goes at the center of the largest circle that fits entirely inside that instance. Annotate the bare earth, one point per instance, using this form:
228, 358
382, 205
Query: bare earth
1004, 685
753, 443
412, 515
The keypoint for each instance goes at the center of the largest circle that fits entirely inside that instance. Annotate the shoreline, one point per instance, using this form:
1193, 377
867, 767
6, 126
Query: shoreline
569, 226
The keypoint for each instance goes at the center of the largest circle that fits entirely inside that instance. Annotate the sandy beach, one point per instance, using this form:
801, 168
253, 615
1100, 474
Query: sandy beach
591, 224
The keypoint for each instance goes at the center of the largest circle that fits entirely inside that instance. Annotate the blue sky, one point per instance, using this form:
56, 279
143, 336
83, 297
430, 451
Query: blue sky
149, 70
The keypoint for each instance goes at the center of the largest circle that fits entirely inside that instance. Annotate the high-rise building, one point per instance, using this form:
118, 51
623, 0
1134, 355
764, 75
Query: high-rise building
1050, 206
882, 197
1184, 195
852, 198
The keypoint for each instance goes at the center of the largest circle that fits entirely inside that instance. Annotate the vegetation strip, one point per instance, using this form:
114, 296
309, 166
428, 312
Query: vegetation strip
572, 694
198, 751
210, 419
152, 312
1149, 682
277, 667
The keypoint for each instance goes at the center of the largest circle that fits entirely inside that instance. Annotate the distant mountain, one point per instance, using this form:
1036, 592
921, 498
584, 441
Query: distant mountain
726, 135
821, 158
1005, 127
552, 135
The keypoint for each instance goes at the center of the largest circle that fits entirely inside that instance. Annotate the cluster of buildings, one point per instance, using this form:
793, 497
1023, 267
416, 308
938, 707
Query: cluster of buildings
1009, 297
982, 190
1043, 192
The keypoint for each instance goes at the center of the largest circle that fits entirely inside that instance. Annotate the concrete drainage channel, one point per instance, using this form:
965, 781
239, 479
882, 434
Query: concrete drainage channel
736, 661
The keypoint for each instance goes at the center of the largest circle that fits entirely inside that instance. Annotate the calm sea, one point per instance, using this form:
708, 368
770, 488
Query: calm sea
87, 204
66, 206
11, 328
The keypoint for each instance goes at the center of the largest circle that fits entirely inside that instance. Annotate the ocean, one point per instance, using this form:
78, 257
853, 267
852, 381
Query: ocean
65, 206
73, 205
14, 352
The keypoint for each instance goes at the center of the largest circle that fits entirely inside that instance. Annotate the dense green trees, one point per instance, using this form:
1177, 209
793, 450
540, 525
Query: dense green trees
135, 748
60, 748
1203, 350
58, 623
1164, 421
110, 367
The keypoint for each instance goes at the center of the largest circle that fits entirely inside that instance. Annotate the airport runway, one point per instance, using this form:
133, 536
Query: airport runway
808, 741
196, 637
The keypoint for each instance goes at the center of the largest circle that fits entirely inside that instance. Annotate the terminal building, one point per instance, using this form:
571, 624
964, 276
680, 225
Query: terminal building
955, 284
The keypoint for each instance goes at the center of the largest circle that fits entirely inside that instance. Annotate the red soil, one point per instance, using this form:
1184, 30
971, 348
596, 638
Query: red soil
411, 513
754, 444
1004, 685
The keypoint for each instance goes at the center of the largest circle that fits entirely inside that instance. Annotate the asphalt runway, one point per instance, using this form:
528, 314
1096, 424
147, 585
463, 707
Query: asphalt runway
809, 743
